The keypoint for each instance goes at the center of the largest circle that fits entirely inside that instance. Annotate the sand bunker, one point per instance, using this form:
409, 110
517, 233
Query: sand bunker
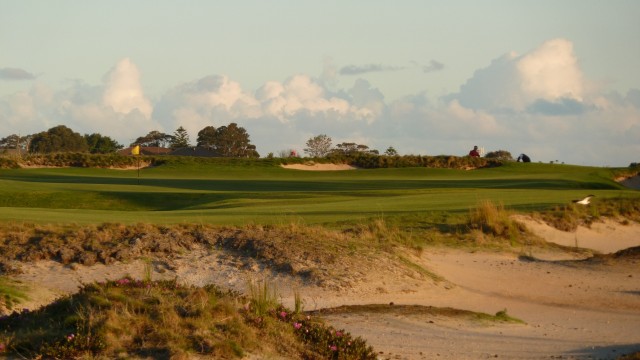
605, 237
319, 167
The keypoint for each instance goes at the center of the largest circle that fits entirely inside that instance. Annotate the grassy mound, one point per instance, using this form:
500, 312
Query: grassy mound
417, 310
162, 319
569, 217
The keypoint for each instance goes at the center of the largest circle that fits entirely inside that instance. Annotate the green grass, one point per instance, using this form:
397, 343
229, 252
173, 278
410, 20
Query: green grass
241, 193
12, 292
419, 310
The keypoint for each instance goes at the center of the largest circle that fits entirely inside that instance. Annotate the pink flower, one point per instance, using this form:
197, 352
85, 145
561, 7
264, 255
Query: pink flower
297, 325
283, 314
333, 348
70, 337
2, 348
338, 333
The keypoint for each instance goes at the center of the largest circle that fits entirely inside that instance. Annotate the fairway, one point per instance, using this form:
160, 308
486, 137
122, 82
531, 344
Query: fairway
237, 194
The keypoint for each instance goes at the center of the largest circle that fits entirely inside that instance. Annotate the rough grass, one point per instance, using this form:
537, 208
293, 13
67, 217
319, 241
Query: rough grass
141, 319
492, 225
12, 293
418, 310
569, 217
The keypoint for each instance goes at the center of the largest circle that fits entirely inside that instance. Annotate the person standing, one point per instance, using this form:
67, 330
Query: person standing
474, 152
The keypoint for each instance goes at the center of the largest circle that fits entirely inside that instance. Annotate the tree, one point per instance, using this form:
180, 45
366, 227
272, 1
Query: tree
233, 141
154, 138
207, 137
350, 148
391, 151
347, 148
10, 142
318, 146
58, 139
99, 144
180, 138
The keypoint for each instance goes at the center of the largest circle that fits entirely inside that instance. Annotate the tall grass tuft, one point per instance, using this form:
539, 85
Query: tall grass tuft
298, 304
263, 297
148, 269
494, 220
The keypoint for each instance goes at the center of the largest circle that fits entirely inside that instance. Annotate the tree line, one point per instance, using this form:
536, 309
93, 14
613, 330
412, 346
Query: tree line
227, 141
61, 146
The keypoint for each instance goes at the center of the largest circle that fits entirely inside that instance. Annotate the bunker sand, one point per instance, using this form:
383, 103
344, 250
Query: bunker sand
571, 307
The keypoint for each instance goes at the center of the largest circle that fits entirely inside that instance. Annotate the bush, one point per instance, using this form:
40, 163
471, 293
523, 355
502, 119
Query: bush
502, 155
8, 163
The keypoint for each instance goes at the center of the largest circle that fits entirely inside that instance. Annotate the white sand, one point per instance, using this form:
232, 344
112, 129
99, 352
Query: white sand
574, 310
319, 167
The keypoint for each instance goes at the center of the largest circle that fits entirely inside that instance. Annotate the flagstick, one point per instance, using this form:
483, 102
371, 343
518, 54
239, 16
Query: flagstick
138, 157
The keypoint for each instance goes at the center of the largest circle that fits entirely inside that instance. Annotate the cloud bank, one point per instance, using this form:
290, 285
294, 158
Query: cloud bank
539, 103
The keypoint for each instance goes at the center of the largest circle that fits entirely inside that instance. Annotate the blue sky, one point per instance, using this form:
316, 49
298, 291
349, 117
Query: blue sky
557, 80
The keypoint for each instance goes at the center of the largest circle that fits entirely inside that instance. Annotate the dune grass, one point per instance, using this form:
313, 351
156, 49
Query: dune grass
129, 318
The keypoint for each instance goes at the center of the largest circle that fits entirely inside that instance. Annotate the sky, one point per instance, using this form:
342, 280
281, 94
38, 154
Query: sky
557, 80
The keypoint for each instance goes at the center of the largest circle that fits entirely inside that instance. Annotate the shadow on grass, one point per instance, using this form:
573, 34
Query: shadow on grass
311, 185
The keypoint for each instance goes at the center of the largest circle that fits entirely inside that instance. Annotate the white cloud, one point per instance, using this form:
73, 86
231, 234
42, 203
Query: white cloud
549, 73
210, 101
117, 109
217, 100
301, 94
123, 91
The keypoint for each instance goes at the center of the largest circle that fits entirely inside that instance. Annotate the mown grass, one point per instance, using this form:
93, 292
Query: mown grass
239, 194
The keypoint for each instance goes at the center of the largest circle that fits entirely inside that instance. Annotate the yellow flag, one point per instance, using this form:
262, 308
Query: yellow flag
135, 150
